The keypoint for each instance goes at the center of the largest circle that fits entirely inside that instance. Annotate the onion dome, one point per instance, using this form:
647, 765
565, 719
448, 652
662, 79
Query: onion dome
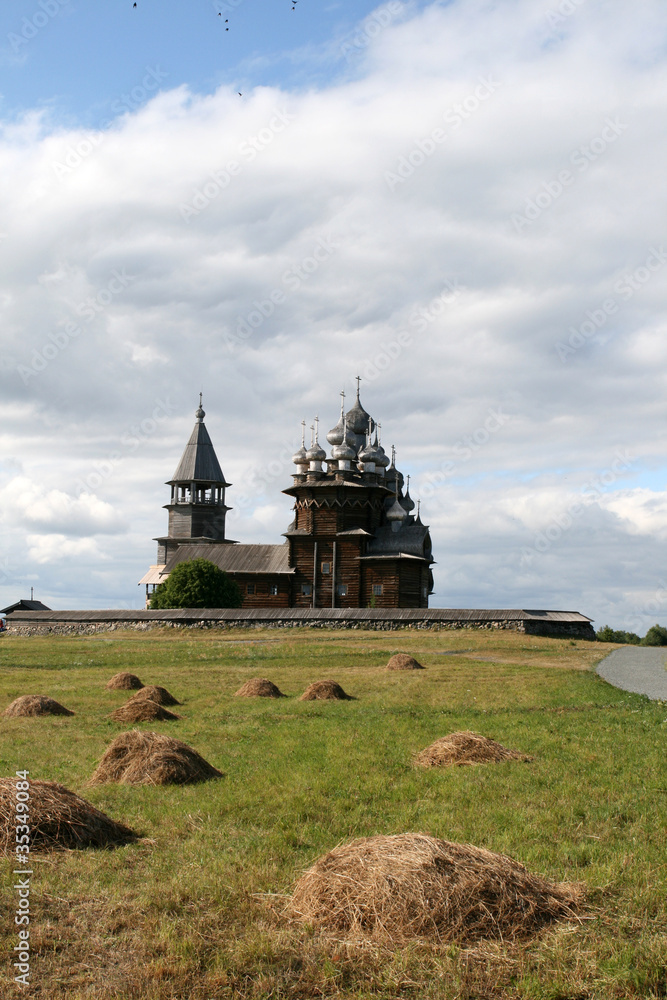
396, 513
358, 420
344, 450
369, 454
418, 519
316, 452
392, 474
300, 457
337, 433
199, 412
407, 503
382, 461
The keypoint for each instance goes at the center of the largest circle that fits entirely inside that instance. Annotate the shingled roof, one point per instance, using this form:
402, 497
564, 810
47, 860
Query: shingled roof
235, 558
24, 605
199, 462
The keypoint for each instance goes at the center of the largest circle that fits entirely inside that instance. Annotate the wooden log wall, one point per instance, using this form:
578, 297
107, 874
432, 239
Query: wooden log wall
261, 598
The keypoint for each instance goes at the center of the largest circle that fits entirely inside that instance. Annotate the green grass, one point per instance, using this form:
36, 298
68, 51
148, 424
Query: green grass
184, 913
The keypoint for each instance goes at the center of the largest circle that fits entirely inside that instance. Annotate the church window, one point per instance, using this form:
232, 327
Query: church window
273, 589
341, 590
306, 589
250, 588
377, 589
326, 567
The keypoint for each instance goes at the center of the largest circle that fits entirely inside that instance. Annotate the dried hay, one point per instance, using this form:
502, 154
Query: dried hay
413, 885
259, 687
124, 681
325, 691
58, 819
401, 661
35, 704
465, 748
140, 758
142, 711
156, 694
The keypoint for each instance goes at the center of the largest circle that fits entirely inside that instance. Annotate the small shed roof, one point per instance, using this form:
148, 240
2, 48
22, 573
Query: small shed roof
24, 605
154, 575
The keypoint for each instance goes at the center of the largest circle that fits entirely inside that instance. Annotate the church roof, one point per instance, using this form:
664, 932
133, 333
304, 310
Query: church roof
410, 539
199, 462
235, 558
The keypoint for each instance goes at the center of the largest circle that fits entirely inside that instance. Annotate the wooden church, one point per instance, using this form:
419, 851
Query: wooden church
354, 541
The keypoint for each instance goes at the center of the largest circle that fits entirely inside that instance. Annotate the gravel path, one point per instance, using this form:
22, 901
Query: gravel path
641, 669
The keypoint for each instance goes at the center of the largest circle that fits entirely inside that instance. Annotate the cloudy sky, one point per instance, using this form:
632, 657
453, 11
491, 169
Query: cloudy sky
463, 202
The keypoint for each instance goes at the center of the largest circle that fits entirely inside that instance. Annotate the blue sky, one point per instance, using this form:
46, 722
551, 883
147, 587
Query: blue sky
89, 53
462, 202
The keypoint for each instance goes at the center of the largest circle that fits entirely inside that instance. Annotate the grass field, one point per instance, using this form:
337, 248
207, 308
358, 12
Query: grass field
194, 910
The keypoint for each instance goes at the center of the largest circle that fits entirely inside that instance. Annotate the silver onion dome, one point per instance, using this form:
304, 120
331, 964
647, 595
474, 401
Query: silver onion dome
368, 455
199, 412
358, 421
316, 452
300, 457
382, 461
337, 433
344, 451
396, 513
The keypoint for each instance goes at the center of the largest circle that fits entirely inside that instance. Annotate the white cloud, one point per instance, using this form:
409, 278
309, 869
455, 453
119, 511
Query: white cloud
54, 548
27, 504
645, 511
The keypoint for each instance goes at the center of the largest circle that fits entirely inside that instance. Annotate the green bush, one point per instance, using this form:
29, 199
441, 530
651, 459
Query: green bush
197, 583
607, 634
656, 636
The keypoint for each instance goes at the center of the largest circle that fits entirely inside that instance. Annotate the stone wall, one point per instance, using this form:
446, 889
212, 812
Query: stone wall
569, 630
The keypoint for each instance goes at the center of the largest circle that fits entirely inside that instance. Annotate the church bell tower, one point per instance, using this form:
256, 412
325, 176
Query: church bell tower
197, 508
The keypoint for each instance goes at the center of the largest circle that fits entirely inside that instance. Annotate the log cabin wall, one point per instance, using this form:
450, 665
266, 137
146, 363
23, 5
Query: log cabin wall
381, 574
301, 558
196, 521
411, 584
256, 589
324, 574
348, 573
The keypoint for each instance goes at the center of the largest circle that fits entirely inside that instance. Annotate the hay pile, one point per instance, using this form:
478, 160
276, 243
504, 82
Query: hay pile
159, 695
401, 661
325, 691
465, 748
124, 682
142, 711
35, 704
136, 758
412, 885
57, 818
259, 687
